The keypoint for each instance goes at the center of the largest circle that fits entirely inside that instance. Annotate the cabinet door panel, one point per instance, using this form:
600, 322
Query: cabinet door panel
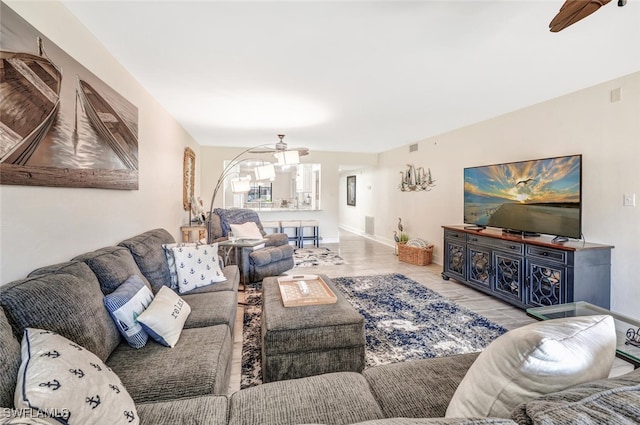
479, 266
546, 284
455, 260
509, 273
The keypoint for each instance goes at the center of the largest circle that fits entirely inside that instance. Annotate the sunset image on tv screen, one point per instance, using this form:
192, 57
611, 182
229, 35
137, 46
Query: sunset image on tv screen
541, 196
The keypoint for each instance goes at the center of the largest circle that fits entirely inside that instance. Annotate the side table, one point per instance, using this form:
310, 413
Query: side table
188, 230
624, 350
238, 247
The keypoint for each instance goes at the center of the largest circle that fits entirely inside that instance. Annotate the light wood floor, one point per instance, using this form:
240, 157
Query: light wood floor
367, 257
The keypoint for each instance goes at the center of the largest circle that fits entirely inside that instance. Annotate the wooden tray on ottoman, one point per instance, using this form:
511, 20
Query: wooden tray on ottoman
420, 256
319, 292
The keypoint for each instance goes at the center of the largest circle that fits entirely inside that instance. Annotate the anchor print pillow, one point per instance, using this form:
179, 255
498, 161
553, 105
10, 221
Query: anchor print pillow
58, 377
197, 266
171, 261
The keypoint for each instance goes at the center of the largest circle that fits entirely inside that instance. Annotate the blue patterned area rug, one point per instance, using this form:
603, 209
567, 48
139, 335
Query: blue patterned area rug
404, 320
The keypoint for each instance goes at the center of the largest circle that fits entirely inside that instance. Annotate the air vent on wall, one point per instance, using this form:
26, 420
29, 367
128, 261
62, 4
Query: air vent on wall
413, 148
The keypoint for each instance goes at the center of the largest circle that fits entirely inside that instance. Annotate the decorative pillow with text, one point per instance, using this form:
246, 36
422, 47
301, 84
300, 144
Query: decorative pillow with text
164, 319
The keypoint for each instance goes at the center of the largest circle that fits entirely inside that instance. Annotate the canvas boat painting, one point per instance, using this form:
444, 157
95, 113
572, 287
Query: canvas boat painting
33, 83
60, 124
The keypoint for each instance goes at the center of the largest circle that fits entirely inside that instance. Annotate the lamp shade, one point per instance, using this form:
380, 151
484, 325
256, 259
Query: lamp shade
287, 157
265, 172
241, 184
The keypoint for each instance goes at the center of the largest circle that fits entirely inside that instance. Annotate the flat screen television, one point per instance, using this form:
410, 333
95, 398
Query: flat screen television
541, 196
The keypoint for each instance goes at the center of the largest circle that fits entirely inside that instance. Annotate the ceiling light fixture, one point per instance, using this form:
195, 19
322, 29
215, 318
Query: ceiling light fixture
264, 172
574, 10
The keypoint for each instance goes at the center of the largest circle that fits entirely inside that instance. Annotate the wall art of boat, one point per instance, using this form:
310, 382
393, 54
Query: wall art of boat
29, 101
108, 124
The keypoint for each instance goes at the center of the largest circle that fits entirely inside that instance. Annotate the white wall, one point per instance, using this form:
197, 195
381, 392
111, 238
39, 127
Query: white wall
352, 218
586, 122
43, 225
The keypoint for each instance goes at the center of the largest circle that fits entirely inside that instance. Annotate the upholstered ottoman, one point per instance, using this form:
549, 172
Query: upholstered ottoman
309, 340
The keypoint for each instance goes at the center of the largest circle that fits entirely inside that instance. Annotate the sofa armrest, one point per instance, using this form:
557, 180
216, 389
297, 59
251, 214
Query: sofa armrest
418, 388
204, 410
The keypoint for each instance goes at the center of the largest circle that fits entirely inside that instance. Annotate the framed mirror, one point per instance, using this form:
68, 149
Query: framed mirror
188, 178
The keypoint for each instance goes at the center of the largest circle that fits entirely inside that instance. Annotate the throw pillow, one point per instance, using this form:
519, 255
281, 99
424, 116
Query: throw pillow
171, 262
59, 377
125, 304
248, 230
236, 216
164, 319
197, 266
534, 360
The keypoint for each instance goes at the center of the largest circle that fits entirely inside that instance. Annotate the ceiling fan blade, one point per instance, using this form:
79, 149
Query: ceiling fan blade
574, 10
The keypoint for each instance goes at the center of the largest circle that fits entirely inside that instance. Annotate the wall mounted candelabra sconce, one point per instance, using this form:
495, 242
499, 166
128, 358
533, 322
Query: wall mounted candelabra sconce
416, 179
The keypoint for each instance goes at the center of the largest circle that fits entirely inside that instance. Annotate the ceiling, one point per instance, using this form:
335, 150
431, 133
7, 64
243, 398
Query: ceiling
356, 76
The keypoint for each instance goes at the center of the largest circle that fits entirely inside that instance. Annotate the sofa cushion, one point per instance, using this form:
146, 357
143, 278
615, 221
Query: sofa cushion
333, 398
232, 273
164, 318
148, 254
197, 365
197, 266
10, 360
112, 265
418, 388
439, 421
65, 304
608, 401
212, 308
205, 410
75, 268
237, 216
57, 374
125, 304
26, 417
534, 360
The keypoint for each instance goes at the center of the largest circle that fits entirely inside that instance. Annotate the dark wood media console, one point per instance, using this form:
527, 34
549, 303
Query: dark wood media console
527, 271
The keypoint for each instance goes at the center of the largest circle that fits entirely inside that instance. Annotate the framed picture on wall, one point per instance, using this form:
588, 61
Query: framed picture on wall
351, 191
62, 126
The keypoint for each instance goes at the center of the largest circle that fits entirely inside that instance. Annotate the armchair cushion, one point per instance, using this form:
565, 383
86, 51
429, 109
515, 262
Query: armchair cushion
262, 257
277, 239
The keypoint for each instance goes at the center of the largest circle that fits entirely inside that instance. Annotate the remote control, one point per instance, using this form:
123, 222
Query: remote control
304, 288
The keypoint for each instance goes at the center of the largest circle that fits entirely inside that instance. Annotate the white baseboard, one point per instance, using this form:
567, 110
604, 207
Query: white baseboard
384, 241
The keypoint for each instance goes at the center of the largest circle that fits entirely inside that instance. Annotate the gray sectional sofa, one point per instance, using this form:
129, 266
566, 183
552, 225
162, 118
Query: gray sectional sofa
187, 384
